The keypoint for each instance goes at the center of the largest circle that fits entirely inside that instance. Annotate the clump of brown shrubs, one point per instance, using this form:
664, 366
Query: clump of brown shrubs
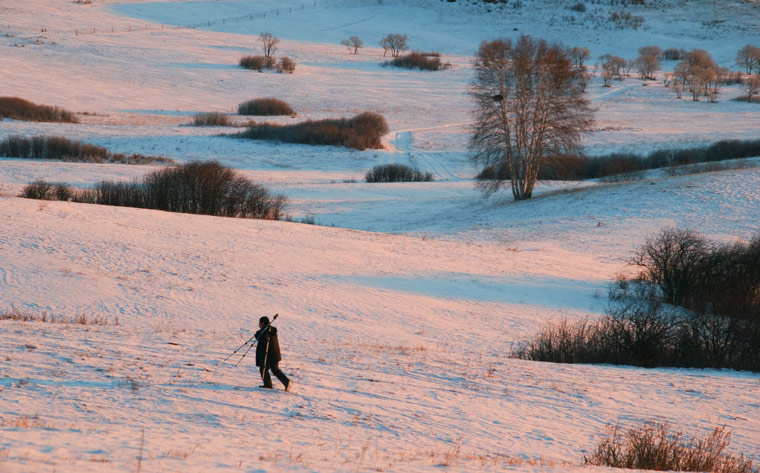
694, 303
266, 107
206, 188
654, 446
397, 173
63, 149
211, 119
261, 63
360, 132
424, 61
17, 108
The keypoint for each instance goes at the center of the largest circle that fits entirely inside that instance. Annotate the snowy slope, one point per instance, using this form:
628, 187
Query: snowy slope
397, 315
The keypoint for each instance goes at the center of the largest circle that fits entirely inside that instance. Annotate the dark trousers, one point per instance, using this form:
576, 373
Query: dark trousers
276, 371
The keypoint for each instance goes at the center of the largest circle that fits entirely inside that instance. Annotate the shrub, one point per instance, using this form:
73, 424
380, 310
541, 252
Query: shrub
286, 65
360, 132
211, 119
397, 173
256, 63
579, 7
205, 188
43, 190
623, 19
39, 189
20, 109
694, 304
51, 147
419, 60
59, 148
654, 446
265, 107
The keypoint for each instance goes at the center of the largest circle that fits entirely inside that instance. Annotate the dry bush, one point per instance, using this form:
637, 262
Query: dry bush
623, 19
654, 446
63, 149
256, 63
20, 109
43, 190
425, 61
397, 173
360, 132
206, 188
265, 107
211, 119
51, 147
286, 64
694, 304
78, 319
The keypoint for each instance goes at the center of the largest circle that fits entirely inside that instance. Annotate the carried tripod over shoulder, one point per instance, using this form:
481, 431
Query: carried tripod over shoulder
247, 342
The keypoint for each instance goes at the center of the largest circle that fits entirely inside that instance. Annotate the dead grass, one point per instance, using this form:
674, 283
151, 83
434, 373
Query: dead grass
655, 446
79, 318
25, 422
211, 119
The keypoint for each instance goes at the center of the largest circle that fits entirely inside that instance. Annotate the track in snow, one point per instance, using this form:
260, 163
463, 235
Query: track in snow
403, 140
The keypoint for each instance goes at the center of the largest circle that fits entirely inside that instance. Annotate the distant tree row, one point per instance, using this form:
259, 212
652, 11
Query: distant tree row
696, 73
393, 42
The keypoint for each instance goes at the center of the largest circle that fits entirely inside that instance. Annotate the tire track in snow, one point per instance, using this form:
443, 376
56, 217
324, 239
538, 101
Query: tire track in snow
402, 142
613, 93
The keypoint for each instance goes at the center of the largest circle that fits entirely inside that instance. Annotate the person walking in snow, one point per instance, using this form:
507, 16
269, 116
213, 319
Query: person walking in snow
268, 354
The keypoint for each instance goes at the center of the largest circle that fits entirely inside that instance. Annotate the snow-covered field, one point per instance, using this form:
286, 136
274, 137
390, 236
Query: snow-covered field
398, 311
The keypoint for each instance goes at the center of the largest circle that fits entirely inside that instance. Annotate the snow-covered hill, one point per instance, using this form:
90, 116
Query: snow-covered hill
397, 313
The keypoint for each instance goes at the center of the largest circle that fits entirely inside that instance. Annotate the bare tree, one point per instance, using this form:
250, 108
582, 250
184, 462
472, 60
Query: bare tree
748, 57
353, 44
697, 71
650, 51
611, 67
580, 56
395, 43
647, 65
530, 109
753, 86
269, 42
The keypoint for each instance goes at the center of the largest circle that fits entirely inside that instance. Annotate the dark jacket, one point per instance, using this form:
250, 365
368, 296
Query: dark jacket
267, 336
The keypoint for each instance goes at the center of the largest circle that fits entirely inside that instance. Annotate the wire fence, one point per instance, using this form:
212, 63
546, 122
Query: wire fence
128, 28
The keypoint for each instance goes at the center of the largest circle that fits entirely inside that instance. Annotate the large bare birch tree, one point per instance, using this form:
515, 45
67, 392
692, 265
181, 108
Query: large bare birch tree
530, 110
